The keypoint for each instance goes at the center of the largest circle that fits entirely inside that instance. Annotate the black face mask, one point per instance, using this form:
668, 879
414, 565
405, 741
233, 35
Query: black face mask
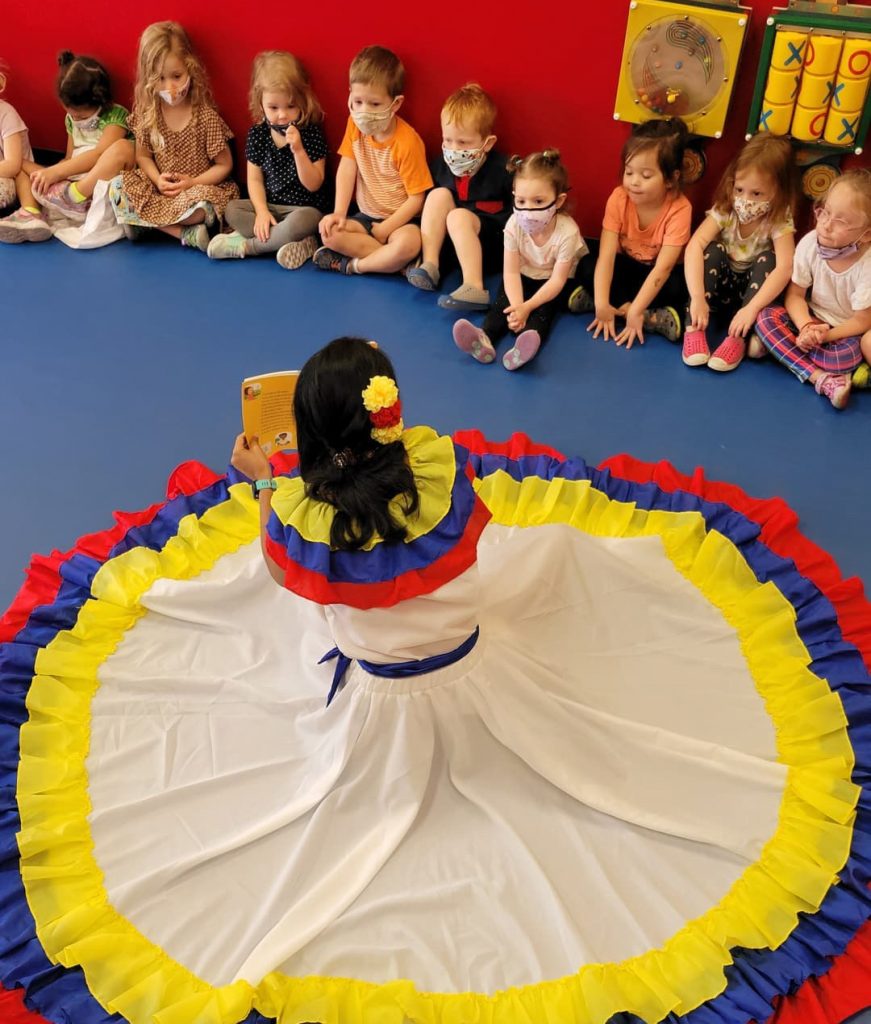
280, 128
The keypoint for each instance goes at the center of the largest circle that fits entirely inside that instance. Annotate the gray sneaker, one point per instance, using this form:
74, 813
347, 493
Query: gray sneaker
228, 247
292, 255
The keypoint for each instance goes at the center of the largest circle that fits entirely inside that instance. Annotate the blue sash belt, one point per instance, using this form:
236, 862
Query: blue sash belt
396, 669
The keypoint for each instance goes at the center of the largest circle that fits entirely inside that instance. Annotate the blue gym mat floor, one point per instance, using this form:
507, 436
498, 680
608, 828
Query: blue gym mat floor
122, 362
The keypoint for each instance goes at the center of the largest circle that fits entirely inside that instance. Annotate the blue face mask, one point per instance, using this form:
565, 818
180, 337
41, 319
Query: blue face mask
828, 252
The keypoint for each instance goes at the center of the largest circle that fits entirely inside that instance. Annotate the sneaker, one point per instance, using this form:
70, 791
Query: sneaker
580, 301
467, 297
526, 346
755, 348
728, 354
471, 339
228, 247
664, 321
24, 226
835, 387
329, 259
424, 276
695, 348
292, 255
862, 376
196, 237
58, 196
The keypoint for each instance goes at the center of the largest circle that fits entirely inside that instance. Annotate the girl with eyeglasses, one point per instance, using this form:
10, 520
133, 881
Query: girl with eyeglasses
822, 331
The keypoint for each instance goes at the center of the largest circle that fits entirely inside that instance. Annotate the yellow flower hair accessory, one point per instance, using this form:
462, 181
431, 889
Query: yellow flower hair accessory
381, 401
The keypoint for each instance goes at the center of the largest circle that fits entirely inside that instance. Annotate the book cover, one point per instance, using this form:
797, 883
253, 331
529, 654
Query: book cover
267, 409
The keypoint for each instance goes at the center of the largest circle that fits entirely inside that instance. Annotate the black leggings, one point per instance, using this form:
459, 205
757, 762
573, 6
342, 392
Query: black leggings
728, 290
540, 319
629, 275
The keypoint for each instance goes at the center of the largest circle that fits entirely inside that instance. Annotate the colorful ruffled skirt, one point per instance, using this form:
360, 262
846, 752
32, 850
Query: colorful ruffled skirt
642, 796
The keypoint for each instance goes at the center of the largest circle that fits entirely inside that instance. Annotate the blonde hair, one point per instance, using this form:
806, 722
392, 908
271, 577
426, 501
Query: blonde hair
470, 106
280, 71
155, 45
858, 180
770, 155
546, 165
376, 65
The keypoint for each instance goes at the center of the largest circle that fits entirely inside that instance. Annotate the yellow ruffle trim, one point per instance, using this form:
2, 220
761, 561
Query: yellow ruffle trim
432, 461
129, 974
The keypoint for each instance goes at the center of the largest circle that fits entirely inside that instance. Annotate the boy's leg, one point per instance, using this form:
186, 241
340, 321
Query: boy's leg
353, 240
464, 228
401, 248
433, 223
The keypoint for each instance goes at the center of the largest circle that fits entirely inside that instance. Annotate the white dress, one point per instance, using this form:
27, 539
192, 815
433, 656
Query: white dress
631, 795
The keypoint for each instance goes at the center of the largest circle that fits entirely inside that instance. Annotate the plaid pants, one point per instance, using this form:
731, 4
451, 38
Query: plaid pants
778, 334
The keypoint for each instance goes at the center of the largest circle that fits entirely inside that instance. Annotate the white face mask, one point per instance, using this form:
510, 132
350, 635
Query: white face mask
173, 100
535, 221
750, 209
87, 124
371, 123
462, 162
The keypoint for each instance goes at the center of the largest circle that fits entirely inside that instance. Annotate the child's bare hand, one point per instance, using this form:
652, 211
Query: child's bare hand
812, 335
516, 316
167, 183
333, 222
249, 459
263, 224
742, 322
379, 234
700, 314
294, 139
603, 322
633, 331
41, 179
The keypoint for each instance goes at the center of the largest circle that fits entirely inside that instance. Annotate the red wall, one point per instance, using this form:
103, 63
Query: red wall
552, 69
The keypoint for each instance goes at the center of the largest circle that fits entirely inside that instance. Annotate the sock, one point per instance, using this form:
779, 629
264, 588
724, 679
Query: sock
35, 210
75, 195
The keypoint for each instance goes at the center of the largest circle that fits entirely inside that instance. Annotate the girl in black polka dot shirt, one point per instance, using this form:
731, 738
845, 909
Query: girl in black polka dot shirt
286, 152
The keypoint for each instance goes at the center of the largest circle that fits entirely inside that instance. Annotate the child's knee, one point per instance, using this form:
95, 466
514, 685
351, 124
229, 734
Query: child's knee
462, 222
440, 199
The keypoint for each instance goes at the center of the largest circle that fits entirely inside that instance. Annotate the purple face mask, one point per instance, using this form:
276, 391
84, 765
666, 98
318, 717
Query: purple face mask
828, 252
535, 221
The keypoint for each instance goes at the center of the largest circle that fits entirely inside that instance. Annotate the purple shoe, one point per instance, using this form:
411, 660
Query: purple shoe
58, 196
471, 339
526, 347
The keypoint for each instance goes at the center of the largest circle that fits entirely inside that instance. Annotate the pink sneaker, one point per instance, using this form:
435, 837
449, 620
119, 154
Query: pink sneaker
24, 226
695, 348
835, 387
58, 196
525, 349
728, 354
471, 339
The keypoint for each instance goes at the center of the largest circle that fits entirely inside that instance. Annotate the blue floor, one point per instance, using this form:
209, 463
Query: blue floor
120, 363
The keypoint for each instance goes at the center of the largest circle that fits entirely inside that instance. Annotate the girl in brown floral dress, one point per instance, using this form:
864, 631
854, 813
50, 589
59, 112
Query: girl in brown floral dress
181, 182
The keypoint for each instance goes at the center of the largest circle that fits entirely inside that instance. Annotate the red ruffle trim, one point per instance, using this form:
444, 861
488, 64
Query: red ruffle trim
13, 1010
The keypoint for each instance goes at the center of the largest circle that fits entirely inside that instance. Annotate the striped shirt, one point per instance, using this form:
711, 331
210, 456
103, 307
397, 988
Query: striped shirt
387, 172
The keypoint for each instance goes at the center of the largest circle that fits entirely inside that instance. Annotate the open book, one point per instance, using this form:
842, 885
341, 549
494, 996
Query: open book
267, 409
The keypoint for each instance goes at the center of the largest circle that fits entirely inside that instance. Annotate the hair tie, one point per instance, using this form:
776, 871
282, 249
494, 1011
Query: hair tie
343, 459
381, 401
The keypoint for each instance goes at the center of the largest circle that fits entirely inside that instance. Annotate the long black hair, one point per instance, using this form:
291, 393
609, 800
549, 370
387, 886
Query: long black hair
339, 460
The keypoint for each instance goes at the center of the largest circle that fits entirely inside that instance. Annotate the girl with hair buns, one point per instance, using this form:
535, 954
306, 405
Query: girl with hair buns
96, 150
543, 246
634, 272
181, 183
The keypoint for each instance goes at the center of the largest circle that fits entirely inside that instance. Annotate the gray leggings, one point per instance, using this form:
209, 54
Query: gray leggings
294, 223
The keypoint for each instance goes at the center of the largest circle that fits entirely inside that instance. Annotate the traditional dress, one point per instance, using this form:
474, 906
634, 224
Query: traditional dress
596, 750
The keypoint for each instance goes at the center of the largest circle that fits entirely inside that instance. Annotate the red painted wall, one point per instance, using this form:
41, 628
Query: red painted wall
552, 69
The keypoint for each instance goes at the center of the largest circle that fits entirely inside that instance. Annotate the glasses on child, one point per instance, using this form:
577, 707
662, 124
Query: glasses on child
837, 223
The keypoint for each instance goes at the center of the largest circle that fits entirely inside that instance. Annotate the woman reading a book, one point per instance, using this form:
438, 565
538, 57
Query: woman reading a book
516, 739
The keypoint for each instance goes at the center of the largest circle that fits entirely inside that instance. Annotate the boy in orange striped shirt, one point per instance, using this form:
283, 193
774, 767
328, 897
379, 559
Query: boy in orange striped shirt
383, 167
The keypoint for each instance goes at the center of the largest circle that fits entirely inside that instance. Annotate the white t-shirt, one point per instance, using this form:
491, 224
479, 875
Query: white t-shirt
565, 245
11, 124
834, 297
